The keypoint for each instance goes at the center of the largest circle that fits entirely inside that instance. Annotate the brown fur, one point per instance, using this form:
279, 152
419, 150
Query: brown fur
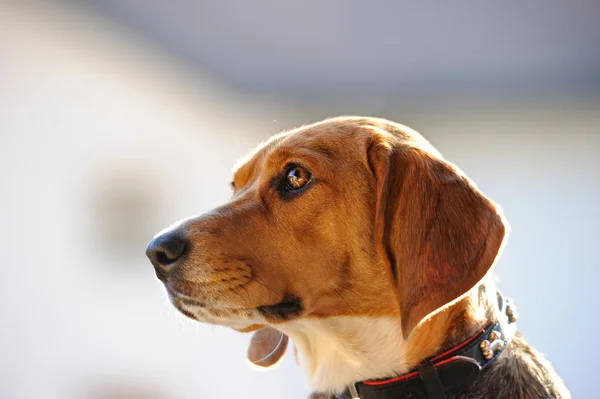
387, 228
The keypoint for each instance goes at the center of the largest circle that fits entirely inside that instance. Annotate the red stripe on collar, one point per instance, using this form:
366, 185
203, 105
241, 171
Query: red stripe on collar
461, 345
432, 360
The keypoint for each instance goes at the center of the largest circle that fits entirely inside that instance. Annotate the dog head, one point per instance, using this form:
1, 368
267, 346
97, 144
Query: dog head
349, 216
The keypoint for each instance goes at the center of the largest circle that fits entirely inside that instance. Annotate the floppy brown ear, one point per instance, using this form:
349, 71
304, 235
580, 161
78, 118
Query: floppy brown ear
440, 234
267, 347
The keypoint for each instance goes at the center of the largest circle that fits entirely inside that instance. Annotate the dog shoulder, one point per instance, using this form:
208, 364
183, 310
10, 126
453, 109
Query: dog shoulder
520, 372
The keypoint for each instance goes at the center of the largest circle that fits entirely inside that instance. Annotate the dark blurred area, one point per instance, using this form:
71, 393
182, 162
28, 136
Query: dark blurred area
119, 118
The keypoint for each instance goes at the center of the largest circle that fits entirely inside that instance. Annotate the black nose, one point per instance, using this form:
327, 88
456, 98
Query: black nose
164, 251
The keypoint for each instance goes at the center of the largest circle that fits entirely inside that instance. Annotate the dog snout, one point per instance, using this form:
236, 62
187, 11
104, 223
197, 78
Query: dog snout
165, 250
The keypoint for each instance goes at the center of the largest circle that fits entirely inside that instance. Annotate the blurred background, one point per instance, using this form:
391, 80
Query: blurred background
120, 117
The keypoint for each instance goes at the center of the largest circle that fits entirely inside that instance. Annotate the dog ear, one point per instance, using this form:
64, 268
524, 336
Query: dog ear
267, 347
439, 233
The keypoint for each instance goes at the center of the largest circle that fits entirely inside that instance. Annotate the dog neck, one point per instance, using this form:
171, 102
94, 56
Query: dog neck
342, 350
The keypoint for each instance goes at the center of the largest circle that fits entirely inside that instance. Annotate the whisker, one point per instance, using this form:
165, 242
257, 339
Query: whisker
269, 312
259, 281
234, 290
247, 293
343, 299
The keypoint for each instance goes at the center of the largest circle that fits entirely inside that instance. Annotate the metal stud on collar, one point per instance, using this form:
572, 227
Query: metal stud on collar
512, 317
489, 347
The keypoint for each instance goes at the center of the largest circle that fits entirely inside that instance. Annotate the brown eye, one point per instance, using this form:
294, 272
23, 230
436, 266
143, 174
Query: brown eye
296, 178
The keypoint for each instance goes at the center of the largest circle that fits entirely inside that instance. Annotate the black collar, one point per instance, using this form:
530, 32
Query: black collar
447, 375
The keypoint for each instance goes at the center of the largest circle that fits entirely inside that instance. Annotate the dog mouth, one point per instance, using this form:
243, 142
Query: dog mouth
284, 310
182, 308
288, 308
179, 298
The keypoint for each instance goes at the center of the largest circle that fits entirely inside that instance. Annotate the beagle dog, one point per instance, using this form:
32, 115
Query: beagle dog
356, 239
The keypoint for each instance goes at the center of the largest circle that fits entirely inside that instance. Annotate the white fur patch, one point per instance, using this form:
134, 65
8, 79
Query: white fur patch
338, 351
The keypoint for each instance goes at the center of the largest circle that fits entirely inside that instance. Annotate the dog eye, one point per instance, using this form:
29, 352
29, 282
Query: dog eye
296, 177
